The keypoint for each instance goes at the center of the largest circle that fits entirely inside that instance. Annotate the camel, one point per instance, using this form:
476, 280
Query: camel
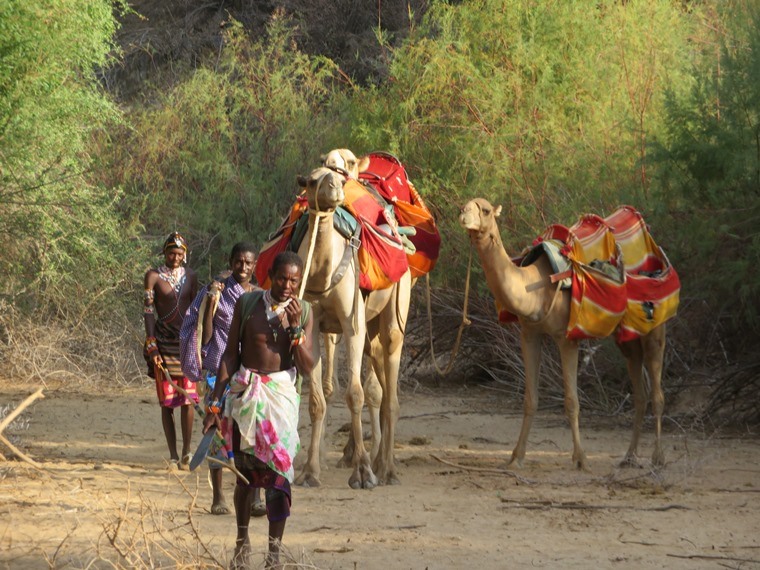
340, 307
543, 309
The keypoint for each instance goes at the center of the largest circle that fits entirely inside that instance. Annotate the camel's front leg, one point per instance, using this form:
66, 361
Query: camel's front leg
362, 476
568, 351
530, 344
329, 379
309, 476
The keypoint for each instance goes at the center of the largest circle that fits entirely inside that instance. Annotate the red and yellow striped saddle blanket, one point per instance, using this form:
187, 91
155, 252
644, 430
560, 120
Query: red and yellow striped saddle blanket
621, 280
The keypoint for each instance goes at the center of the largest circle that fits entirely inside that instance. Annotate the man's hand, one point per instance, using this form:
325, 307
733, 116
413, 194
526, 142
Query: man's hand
293, 312
211, 421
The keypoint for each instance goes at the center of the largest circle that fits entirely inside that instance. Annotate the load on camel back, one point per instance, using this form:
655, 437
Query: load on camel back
621, 281
383, 216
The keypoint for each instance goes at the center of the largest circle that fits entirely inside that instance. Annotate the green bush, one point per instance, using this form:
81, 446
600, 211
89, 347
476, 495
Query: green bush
217, 157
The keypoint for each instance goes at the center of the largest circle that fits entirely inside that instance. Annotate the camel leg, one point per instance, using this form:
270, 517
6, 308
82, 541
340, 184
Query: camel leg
362, 476
391, 342
654, 356
390, 360
329, 376
530, 344
309, 476
633, 353
568, 351
373, 394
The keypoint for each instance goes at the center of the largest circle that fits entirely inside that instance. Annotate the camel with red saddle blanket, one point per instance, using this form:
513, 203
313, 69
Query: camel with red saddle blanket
340, 307
603, 297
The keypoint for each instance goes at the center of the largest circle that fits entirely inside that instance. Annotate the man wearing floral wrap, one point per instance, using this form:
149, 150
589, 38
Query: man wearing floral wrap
169, 290
268, 345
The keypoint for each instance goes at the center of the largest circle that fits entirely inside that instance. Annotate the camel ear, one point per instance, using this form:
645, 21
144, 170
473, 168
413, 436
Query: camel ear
302, 182
363, 164
496, 211
322, 158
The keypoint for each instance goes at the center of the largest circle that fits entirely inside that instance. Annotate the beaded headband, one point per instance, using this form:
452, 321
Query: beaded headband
175, 240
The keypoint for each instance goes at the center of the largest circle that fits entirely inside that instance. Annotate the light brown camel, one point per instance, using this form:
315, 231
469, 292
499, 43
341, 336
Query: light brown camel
528, 293
340, 308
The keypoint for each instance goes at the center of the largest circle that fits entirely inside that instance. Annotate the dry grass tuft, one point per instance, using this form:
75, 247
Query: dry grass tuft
68, 351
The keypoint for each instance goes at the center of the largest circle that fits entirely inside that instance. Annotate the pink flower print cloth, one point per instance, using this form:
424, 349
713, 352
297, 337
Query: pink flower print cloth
265, 407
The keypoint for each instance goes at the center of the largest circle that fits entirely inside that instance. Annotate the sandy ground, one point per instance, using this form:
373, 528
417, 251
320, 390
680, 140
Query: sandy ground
105, 499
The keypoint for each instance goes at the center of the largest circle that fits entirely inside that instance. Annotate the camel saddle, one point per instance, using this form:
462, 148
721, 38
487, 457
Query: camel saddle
621, 281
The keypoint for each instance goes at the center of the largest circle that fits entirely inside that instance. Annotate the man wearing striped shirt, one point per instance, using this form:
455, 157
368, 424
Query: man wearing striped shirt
202, 346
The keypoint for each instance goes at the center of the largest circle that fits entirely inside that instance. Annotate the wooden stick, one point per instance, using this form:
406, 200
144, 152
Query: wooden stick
20, 408
229, 466
485, 470
580, 506
708, 557
20, 453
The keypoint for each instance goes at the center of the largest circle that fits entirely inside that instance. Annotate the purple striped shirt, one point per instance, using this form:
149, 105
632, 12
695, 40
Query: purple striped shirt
212, 352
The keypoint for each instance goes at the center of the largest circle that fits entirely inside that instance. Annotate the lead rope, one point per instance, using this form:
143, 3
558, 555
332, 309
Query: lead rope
313, 241
465, 321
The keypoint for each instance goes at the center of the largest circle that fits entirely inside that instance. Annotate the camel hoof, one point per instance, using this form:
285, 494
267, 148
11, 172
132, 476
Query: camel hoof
580, 463
630, 461
358, 482
308, 480
515, 462
658, 458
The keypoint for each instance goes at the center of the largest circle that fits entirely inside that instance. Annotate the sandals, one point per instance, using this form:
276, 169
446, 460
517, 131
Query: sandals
184, 465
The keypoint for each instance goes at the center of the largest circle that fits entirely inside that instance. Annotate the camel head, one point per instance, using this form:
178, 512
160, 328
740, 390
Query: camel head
478, 217
324, 189
344, 159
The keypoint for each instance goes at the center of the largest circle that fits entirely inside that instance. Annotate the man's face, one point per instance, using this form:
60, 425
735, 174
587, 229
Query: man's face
285, 282
242, 265
174, 256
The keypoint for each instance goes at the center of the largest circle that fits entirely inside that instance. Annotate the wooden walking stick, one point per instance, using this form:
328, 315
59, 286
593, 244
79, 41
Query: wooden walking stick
9, 418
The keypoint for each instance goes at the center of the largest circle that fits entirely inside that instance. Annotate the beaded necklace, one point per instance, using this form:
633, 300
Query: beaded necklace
174, 277
274, 312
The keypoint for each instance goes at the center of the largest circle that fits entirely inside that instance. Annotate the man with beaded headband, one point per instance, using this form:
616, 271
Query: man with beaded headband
169, 291
268, 346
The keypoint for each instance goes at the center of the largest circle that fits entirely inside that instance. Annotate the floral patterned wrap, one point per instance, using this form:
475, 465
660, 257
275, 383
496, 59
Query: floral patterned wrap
265, 407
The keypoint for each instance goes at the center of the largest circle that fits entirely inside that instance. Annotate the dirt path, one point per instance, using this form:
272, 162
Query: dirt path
105, 495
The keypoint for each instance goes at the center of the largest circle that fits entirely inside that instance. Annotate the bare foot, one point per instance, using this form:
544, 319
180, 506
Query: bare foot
241, 558
220, 508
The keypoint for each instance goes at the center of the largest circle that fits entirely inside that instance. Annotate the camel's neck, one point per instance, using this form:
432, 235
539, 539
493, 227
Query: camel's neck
506, 280
324, 257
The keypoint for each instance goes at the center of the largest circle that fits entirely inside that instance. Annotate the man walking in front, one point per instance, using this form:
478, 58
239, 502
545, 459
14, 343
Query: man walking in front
268, 346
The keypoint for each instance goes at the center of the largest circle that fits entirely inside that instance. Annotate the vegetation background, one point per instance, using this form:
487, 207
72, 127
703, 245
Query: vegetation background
123, 121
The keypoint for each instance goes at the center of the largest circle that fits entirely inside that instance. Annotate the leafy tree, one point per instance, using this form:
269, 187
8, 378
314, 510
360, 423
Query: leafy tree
711, 165
59, 234
547, 108
217, 157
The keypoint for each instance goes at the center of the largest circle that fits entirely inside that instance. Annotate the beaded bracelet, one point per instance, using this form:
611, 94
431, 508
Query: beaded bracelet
151, 344
214, 407
297, 338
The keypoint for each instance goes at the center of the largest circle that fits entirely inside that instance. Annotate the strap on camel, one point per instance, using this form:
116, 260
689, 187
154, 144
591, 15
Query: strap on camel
465, 321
